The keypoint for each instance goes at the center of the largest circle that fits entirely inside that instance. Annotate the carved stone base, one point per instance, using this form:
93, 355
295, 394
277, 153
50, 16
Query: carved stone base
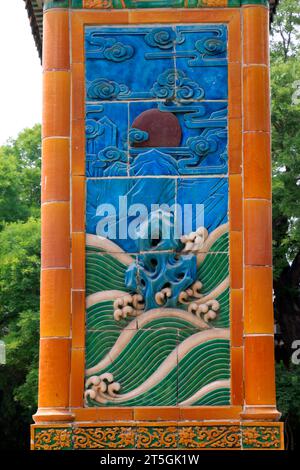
158, 435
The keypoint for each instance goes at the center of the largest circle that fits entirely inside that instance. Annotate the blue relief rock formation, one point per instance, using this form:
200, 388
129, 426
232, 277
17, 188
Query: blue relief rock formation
168, 274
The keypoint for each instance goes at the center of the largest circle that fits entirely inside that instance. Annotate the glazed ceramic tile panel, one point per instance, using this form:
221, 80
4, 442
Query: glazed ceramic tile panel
157, 319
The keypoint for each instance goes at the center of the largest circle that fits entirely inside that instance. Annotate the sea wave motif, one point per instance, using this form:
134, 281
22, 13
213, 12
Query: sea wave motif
211, 387
187, 354
104, 244
144, 319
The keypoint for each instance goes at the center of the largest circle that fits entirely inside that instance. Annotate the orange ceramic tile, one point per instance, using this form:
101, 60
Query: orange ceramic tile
189, 16
154, 16
235, 202
78, 91
56, 40
77, 378
236, 317
78, 203
78, 319
77, 38
256, 98
56, 104
103, 414
55, 302
236, 260
157, 413
258, 232
234, 90
210, 412
256, 35
78, 260
257, 165
254, 413
54, 373
78, 148
259, 316
234, 36
56, 169
237, 386
55, 235
235, 146
259, 370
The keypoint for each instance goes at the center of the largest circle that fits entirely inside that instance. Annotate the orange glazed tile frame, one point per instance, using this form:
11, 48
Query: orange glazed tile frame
259, 373
54, 369
232, 17
56, 50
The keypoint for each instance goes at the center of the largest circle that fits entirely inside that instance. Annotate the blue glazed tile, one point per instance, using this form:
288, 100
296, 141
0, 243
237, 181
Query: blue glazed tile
204, 46
208, 200
117, 65
214, 81
106, 139
202, 42
106, 204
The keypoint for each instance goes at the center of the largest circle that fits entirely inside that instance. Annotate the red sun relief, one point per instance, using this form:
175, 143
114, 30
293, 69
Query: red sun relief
163, 128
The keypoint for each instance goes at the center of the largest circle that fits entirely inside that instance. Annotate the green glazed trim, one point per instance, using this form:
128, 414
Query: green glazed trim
255, 2
76, 3
56, 4
234, 3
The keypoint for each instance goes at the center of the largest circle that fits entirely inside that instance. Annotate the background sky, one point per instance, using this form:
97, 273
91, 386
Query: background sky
21, 72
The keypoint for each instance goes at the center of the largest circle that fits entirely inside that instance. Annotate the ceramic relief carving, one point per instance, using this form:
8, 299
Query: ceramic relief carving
157, 324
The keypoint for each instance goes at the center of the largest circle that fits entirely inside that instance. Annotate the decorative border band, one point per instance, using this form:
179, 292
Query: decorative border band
134, 435
134, 4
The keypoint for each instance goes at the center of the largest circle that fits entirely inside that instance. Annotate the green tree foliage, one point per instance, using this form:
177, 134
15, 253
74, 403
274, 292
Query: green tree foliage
285, 30
20, 163
19, 284
285, 86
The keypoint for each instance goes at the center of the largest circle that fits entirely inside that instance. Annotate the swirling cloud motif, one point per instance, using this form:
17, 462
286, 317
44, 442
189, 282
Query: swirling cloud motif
210, 46
92, 129
118, 52
108, 48
175, 82
137, 135
104, 89
163, 38
111, 154
201, 146
95, 39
